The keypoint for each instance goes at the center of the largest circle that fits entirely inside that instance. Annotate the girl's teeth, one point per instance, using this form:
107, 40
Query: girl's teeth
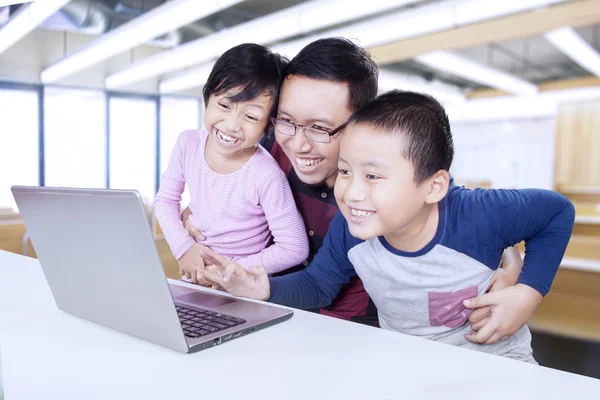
360, 213
308, 162
226, 138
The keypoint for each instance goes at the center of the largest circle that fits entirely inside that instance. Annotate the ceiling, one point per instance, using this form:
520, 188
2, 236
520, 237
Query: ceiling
531, 58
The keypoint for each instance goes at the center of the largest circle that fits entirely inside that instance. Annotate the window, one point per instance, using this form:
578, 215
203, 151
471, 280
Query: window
132, 145
74, 138
176, 115
19, 138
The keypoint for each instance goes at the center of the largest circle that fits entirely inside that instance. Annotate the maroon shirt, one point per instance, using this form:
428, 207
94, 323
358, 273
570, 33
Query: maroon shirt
317, 207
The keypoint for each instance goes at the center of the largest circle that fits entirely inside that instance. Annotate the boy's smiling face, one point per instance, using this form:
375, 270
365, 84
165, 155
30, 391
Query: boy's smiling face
375, 187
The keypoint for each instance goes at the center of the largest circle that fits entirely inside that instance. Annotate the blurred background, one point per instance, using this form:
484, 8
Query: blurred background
93, 93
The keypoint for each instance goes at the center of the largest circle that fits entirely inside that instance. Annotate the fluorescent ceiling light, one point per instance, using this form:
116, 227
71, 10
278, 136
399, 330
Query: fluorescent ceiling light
457, 65
576, 48
395, 26
544, 104
26, 19
181, 82
156, 22
4, 3
289, 22
443, 92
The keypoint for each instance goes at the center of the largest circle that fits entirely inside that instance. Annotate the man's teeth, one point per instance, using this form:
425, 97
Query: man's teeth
305, 162
360, 213
226, 138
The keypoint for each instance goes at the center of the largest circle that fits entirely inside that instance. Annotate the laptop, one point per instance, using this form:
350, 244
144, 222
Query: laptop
99, 257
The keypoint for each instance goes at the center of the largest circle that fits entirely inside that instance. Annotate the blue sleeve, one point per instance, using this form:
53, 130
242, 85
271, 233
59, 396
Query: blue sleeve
503, 218
321, 281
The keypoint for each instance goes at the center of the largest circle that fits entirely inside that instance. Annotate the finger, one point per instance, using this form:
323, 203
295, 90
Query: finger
188, 275
231, 272
494, 338
258, 271
485, 333
480, 314
478, 325
202, 279
181, 272
481, 301
214, 258
194, 274
505, 337
213, 274
471, 336
195, 232
200, 237
494, 280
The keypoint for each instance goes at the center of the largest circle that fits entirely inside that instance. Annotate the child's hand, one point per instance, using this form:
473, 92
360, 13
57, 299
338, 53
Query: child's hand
203, 279
190, 262
235, 279
503, 278
511, 309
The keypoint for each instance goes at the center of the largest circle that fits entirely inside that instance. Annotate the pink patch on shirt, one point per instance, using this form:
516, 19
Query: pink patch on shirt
447, 309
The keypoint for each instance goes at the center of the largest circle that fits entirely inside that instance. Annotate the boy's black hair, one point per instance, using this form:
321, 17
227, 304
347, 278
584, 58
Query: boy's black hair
253, 67
421, 120
338, 60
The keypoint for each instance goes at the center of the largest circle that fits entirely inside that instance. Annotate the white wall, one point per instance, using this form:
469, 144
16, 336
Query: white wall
510, 154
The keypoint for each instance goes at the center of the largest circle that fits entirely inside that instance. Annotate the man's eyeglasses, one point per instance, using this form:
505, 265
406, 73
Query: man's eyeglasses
319, 135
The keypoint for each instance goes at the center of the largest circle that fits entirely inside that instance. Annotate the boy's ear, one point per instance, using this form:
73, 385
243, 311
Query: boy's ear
437, 187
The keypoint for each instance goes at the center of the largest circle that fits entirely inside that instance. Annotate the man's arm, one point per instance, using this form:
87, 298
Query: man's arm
543, 219
512, 264
499, 219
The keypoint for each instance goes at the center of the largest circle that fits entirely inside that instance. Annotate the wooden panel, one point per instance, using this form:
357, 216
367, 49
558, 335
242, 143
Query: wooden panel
581, 229
523, 25
587, 247
10, 216
577, 157
580, 194
562, 84
11, 236
572, 308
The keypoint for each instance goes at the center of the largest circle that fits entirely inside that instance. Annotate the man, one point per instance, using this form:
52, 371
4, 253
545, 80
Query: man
324, 84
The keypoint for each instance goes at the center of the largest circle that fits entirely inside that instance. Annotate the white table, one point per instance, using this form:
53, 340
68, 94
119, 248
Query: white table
48, 354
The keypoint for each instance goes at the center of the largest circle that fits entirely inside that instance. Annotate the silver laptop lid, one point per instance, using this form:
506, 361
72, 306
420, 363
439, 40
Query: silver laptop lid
98, 255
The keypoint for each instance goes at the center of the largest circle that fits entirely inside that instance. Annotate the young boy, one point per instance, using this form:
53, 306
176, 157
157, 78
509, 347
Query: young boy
421, 245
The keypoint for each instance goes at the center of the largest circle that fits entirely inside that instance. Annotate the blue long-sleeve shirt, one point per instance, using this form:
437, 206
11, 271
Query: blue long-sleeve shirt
421, 293
479, 223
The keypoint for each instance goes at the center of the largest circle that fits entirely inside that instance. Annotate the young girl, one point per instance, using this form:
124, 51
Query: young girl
239, 197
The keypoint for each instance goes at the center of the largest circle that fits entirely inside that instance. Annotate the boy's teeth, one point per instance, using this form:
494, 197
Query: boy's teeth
304, 162
360, 213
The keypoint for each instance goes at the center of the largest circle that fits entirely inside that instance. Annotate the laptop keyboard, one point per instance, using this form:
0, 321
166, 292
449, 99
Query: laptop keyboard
201, 323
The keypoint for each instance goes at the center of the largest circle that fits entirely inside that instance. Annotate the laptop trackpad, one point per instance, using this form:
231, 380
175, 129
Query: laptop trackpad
203, 299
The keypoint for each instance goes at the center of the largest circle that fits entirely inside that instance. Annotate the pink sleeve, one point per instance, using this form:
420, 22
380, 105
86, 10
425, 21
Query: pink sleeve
168, 202
290, 246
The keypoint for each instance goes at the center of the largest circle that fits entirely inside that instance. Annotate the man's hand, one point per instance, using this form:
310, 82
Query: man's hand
506, 276
511, 309
191, 262
234, 278
187, 223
